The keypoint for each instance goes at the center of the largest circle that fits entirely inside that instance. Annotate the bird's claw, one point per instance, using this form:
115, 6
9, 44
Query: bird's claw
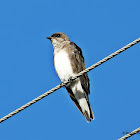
70, 80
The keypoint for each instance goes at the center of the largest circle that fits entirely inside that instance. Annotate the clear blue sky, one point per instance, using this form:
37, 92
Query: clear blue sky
99, 27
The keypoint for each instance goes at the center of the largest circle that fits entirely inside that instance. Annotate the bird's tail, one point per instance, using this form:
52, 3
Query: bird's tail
87, 111
89, 115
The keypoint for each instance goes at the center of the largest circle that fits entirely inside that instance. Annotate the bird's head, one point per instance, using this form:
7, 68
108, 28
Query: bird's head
58, 38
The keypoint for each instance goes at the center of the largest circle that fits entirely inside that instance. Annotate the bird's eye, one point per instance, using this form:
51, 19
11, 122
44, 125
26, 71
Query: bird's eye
58, 35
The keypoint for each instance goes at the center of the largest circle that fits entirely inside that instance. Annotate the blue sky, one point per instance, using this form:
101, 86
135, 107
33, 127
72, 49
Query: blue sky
99, 27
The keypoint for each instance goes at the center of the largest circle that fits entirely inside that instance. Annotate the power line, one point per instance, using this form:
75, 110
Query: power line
66, 82
130, 134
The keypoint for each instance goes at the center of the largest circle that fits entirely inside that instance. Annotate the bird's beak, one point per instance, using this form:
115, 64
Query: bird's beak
49, 38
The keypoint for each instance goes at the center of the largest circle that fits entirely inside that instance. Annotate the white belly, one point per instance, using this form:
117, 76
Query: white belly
63, 66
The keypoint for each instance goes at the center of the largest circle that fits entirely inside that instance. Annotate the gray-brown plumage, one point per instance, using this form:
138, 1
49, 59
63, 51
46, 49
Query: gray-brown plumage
69, 61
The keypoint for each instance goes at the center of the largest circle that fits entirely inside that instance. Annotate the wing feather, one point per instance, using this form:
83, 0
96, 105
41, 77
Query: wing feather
80, 66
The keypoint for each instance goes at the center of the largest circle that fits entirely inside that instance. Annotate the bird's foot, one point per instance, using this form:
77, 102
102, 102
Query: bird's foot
70, 80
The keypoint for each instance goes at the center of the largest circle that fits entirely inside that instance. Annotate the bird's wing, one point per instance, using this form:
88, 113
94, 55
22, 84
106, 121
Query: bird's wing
80, 66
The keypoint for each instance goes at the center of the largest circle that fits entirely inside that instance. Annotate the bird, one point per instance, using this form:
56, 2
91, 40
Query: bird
69, 61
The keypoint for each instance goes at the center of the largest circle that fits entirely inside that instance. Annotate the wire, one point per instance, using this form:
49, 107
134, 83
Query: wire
66, 82
130, 134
